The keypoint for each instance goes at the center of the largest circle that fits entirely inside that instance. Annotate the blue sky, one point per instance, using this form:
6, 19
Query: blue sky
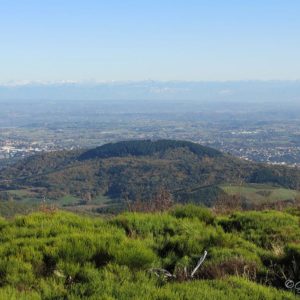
53, 40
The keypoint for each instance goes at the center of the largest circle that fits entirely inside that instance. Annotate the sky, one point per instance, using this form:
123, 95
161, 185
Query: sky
191, 40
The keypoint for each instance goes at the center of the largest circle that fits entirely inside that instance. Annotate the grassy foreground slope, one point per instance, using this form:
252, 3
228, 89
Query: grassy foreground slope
60, 255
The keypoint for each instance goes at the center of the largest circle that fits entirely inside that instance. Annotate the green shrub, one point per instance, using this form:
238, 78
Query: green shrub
263, 228
193, 211
232, 288
14, 271
10, 293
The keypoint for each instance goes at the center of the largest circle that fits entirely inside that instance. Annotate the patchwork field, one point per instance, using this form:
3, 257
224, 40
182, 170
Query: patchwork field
260, 193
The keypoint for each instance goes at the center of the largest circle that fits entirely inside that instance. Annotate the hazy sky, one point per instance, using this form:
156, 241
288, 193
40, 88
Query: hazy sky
149, 39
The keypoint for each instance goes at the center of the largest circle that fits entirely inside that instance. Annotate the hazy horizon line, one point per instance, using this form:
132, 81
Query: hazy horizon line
25, 82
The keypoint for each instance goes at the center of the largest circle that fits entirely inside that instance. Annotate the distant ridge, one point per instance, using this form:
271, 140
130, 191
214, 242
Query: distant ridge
146, 147
249, 91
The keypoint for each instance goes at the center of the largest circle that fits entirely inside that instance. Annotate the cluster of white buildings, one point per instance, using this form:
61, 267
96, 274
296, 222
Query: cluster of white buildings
9, 149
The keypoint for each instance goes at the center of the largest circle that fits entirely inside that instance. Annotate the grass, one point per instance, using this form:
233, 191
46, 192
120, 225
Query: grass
259, 193
21, 193
26, 196
27, 200
67, 200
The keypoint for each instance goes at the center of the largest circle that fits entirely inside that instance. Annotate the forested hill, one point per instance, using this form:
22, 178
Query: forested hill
136, 170
146, 147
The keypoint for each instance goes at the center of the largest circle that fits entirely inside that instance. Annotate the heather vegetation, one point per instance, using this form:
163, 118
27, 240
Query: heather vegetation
53, 254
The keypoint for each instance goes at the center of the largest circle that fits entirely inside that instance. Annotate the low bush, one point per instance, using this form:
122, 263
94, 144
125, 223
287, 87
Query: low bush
192, 211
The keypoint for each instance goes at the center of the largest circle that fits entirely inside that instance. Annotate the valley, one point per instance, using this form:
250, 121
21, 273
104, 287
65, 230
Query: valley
267, 133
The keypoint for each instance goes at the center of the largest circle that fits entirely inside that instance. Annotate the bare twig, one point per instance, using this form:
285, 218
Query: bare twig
166, 274
201, 260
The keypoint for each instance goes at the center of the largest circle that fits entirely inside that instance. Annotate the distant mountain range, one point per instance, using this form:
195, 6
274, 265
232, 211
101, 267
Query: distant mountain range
241, 91
137, 169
